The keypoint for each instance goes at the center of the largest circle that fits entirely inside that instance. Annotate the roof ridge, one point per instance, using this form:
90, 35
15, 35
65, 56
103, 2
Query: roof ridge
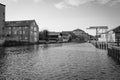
21, 20
19, 23
2, 4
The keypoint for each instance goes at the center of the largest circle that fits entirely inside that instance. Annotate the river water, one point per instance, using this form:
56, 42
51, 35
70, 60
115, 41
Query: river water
68, 61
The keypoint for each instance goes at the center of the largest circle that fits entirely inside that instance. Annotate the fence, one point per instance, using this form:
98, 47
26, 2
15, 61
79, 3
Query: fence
114, 52
100, 45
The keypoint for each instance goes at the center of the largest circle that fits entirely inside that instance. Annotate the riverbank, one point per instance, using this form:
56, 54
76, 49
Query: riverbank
100, 45
23, 43
114, 52
18, 43
112, 49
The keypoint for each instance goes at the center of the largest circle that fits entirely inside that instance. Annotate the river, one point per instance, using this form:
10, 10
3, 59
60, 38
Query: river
64, 61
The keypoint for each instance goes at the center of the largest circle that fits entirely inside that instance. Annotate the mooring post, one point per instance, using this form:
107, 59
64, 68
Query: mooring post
118, 42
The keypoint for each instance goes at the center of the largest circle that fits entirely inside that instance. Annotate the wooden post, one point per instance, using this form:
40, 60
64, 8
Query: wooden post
118, 42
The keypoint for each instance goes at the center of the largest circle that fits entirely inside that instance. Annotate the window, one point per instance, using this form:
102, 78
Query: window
15, 32
9, 27
34, 23
19, 27
26, 37
14, 27
35, 39
20, 32
35, 28
32, 27
26, 27
31, 32
9, 32
23, 32
35, 34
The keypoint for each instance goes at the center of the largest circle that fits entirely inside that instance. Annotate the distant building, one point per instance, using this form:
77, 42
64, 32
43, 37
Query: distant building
55, 36
66, 36
78, 32
108, 36
2, 22
23, 31
112, 35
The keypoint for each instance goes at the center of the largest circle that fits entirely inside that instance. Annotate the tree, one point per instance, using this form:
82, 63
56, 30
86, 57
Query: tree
45, 35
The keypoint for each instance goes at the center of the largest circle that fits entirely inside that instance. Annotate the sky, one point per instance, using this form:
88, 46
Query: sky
65, 15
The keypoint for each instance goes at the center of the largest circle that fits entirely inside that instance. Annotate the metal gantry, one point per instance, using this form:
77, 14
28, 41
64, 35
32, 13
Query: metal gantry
99, 29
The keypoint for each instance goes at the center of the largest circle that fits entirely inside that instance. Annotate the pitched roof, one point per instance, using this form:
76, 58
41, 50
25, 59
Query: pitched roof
66, 31
2, 4
112, 29
18, 23
78, 30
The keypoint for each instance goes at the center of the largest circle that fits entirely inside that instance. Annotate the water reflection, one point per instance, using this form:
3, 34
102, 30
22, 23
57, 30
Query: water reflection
45, 46
2, 61
57, 62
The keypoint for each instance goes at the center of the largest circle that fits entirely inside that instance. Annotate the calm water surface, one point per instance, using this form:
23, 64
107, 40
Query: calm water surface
69, 61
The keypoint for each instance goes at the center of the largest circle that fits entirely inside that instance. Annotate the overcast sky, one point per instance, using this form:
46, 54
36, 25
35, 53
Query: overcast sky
59, 15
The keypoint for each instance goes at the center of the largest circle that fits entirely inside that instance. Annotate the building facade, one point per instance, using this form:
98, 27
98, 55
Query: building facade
66, 36
112, 35
54, 36
2, 20
22, 31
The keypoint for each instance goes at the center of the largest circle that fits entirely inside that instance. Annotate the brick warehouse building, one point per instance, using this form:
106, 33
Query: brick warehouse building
22, 31
2, 22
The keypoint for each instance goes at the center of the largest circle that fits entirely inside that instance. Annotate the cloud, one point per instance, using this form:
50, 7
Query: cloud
76, 3
114, 2
7, 1
15, 0
103, 1
61, 5
36, 1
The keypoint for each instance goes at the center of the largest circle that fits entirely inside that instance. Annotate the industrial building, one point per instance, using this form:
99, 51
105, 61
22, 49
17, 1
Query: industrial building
22, 31
2, 22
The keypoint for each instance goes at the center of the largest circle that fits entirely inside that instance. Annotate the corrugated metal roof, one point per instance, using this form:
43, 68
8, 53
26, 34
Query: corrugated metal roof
18, 23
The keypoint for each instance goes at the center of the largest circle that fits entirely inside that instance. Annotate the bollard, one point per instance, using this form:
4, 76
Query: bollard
100, 46
119, 55
108, 52
115, 54
112, 51
103, 46
107, 46
96, 45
